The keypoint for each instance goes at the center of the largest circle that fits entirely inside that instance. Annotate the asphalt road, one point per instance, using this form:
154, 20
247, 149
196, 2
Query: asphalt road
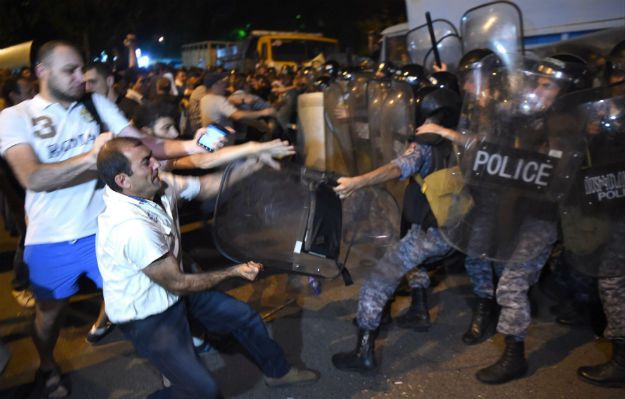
310, 329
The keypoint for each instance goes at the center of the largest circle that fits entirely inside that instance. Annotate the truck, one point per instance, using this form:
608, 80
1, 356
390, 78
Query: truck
544, 23
208, 53
277, 49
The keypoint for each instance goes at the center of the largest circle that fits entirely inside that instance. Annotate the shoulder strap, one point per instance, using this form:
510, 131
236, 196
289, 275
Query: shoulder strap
87, 101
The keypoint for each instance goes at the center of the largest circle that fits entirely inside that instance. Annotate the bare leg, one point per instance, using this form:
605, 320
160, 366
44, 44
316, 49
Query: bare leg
47, 327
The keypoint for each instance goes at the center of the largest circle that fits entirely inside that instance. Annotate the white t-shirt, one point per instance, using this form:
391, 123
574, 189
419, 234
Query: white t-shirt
56, 134
133, 233
215, 108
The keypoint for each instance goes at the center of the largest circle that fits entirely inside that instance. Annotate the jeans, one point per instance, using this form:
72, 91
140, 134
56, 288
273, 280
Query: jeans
165, 340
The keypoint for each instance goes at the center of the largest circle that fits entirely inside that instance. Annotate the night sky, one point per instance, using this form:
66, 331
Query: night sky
97, 25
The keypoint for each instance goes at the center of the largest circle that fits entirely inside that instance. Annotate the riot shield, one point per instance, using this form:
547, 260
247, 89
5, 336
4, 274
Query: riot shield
448, 43
338, 140
497, 26
593, 217
377, 91
520, 150
357, 106
291, 219
397, 120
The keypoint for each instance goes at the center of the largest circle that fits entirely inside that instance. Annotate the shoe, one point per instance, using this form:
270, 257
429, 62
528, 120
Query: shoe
201, 345
24, 298
362, 358
483, 322
610, 374
510, 366
97, 333
417, 317
294, 376
52, 384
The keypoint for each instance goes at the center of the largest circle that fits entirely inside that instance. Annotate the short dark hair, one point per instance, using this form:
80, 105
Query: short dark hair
149, 112
10, 86
48, 47
112, 161
100, 68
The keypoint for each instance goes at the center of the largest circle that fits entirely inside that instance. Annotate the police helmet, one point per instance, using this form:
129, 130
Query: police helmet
444, 79
331, 68
385, 69
413, 74
439, 104
569, 69
322, 82
474, 58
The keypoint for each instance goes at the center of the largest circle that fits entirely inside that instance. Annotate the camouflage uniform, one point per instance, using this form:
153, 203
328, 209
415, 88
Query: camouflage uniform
405, 256
514, 279
612, 293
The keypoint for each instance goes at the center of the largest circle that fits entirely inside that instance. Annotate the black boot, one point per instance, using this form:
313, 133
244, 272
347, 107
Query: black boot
609, 374
483, 322
510, 366
417, 316
360, 359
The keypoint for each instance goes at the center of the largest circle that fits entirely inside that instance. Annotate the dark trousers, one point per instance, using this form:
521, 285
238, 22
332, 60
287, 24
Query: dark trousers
165, 340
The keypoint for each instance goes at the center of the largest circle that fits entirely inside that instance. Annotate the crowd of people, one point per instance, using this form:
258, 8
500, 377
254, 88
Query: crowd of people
86, 149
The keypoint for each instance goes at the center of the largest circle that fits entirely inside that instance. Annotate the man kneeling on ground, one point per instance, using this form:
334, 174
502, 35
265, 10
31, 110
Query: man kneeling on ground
138, 250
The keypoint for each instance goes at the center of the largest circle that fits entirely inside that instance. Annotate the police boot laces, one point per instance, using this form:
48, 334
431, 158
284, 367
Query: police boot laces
510, 366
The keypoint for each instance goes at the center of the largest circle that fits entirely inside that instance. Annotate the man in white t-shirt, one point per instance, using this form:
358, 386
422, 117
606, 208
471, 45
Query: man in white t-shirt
51, 143
138, 250
215, 107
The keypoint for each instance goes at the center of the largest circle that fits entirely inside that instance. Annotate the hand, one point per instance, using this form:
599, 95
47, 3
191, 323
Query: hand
248, 270
277, 148
442, 68
341, 112
346, 186
100, 140
266, 159
130, 40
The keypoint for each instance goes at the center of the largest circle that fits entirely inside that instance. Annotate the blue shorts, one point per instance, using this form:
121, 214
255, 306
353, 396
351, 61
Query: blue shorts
55, 268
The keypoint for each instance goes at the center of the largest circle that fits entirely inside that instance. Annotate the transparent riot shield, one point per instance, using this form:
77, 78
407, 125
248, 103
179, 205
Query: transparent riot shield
377, 91
291, 219
357, 106
450, 51
518, 153
449, 46
593, 215
497, 26
397, 120
340, 157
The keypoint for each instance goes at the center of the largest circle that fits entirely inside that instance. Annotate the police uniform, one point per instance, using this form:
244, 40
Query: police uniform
418, 245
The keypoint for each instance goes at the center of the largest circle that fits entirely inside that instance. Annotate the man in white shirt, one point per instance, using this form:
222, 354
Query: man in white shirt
215, 107
51, 143
138, 250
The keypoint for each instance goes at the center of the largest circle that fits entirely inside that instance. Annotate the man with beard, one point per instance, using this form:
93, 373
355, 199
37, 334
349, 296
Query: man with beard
51, 142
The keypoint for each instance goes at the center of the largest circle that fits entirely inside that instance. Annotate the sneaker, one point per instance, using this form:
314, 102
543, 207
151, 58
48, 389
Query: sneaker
24, 298
294, 376
201, 345
97, 333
